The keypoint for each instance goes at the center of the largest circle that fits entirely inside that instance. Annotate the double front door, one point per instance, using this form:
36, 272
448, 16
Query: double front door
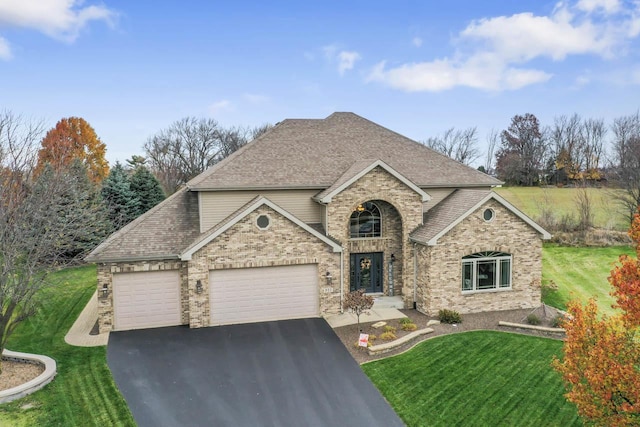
366, 272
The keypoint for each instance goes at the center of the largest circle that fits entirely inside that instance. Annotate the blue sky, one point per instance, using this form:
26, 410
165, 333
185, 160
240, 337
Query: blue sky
131, 68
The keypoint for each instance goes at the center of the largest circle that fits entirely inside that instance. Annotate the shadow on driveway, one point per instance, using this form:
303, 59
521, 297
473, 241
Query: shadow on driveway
286, 373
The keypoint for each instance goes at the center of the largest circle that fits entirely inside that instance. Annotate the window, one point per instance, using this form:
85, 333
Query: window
263, 222
486, 271
488, 215
365, 221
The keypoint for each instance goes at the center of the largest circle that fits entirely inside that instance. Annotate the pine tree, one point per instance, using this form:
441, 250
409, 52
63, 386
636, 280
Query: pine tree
121, 202
146, 188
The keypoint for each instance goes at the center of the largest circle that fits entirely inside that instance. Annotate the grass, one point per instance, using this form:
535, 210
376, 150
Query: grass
481, 378
531, 200
580, 273
83, 393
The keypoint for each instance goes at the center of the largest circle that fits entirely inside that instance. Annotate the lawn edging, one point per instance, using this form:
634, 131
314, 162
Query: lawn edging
389, 346
50, 370
532, 327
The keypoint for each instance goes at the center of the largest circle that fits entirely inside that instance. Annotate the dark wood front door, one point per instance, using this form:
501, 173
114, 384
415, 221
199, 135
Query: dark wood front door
366, 272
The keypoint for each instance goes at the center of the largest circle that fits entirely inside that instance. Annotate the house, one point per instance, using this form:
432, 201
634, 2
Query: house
287, 225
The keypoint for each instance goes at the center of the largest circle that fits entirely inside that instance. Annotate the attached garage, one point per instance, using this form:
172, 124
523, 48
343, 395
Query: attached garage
146, 299
262, 294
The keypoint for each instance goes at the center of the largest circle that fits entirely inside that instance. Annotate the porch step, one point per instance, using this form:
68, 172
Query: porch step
388, 302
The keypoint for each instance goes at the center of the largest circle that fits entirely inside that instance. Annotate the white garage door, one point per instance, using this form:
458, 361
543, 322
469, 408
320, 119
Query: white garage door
146, 300
265, 293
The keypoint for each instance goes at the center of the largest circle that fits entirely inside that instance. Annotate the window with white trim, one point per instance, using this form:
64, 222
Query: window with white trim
485, 271
365, 221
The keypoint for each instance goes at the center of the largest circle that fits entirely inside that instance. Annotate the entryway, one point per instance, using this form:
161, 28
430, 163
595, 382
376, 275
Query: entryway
366, 272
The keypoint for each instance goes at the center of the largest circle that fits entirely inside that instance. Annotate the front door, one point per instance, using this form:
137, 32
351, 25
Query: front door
366, 272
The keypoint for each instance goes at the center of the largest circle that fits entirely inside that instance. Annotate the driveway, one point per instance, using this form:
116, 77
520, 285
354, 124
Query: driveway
286, 373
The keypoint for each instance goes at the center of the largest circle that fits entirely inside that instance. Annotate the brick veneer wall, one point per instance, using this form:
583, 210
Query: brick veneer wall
440, 267
245, 245
403, 212
105, 277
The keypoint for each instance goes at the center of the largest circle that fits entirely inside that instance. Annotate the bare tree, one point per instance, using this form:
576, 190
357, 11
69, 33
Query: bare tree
594, 132
190, 145
492, 141
567, 142
38, 221
625, 167
460, 145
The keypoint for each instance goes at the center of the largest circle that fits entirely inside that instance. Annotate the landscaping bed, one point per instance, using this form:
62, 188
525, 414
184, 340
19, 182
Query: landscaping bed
16, 373
470, 322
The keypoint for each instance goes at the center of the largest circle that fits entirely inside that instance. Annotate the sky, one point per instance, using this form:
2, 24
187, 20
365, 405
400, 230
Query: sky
131, 68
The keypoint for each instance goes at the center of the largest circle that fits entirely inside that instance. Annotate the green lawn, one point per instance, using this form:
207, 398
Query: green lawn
531, 200
580, 273
83, 393
481, 378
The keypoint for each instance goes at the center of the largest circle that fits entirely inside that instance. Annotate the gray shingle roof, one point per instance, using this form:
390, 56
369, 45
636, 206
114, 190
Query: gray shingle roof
312, 153
161, 233
447, 212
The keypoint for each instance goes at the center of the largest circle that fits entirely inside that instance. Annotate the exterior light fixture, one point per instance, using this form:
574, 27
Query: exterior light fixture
105, 290
198, 286
329, 278
393, 258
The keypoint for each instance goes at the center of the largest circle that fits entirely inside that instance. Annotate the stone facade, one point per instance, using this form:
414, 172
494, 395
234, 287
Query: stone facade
245, 245
439, 278
105, 277
401, 213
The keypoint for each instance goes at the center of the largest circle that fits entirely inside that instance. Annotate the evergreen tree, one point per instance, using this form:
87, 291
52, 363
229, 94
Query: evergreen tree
147, 189
121, 202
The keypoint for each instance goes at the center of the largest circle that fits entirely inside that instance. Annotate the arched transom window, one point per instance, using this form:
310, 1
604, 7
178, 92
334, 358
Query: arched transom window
365, 221
486, 271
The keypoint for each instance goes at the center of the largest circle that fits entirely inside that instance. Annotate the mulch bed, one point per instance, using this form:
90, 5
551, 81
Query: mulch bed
15, 373
470, 322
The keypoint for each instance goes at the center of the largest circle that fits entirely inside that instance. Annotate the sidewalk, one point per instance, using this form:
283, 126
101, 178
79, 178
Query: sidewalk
374, 315
79, 335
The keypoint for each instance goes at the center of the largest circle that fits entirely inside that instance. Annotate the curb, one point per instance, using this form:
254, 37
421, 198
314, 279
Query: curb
386, 347
50, 370
532, 327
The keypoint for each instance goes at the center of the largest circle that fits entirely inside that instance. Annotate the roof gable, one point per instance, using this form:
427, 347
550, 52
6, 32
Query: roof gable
456, 207
241, 213
315, 153
360, 169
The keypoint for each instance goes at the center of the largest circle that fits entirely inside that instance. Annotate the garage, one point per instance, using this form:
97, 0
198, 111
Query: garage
263, 293
146, 299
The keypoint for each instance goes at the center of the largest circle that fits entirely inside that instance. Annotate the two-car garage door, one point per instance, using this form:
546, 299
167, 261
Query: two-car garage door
146, 299
264, 293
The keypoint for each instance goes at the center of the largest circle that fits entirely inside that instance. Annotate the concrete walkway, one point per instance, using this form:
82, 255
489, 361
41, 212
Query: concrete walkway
374, 315
79, 335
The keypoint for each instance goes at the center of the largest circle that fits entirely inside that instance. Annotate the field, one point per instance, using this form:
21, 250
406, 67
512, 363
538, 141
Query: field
83, 392
531, 200
481, 378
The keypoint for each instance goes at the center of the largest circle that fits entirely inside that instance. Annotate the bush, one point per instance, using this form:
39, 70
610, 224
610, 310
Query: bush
449, 316
389, 328
388, 336
409, 326
532, 319
557, 321
405, 320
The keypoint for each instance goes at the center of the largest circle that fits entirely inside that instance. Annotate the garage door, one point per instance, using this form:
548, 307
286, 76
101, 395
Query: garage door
262, 294
146, 300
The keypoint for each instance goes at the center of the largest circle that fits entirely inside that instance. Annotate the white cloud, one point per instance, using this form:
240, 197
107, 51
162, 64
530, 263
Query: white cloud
220, 106
59, 19
346, 60
255, 99
5, 50
417, 41
490, 52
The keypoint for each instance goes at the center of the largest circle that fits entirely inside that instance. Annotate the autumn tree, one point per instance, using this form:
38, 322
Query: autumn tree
74, 138
521, 155
601, 363
39, 221
358, 302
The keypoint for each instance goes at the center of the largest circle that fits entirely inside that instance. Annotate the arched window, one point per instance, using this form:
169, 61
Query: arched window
486, 271
365, 221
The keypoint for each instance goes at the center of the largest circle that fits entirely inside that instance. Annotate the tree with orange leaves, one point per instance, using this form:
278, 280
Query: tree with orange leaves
601, 364
73, 138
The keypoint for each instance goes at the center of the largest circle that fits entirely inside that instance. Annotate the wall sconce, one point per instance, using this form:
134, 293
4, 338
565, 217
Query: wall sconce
393, 258
105, 290
198, 286
329, 278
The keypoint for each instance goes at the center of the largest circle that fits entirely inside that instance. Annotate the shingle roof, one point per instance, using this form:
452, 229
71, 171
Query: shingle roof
447, 212
161, 233
311, 153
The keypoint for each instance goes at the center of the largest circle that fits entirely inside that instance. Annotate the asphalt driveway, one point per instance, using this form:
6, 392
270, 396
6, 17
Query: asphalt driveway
286, 373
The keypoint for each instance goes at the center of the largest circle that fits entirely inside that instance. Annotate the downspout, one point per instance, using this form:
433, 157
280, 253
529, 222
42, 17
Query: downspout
341, 281
415, 275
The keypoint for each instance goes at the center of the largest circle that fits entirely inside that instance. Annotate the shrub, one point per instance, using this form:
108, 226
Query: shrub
388, 336
409, 326
405, 320
389, 328
557, 321
449, 316
532, 319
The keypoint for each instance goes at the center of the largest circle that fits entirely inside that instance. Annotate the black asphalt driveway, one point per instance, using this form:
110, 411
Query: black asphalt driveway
286, 373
